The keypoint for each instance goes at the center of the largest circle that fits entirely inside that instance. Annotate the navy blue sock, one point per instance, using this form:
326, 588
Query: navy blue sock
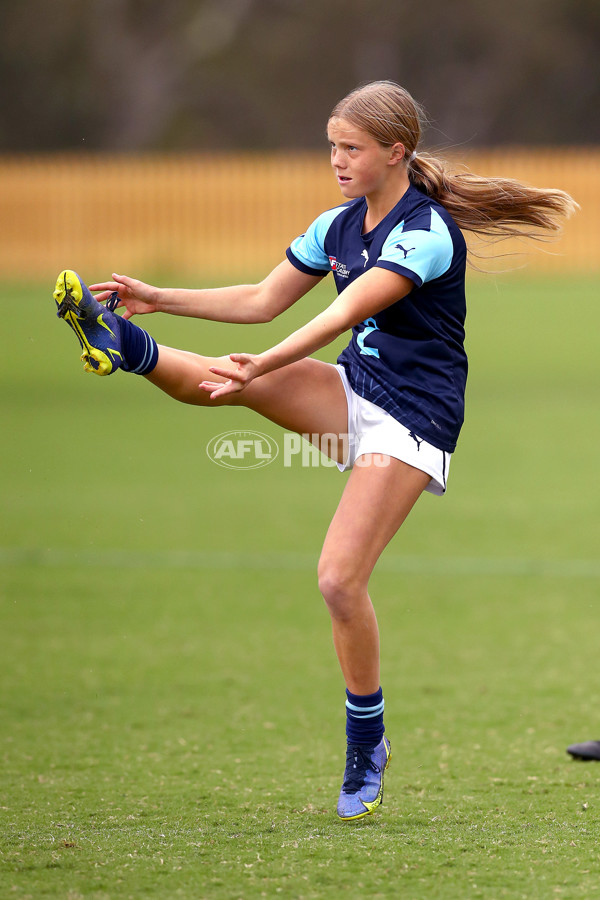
364, 718
140, 350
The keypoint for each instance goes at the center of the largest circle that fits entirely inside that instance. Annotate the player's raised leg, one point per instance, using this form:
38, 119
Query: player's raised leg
307, 396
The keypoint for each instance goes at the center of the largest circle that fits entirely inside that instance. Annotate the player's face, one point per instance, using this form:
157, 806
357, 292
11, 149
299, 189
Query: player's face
361, 164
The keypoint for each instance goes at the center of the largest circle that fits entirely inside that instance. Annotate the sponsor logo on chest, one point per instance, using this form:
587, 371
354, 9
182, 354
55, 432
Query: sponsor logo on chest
340, 268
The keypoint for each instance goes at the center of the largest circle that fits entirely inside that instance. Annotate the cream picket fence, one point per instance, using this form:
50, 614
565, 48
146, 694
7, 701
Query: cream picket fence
227, 217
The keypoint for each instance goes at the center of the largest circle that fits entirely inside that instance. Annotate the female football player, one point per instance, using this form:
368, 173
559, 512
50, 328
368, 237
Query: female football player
394, 400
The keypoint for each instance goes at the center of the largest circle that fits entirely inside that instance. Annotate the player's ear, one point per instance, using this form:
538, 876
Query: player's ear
397, 153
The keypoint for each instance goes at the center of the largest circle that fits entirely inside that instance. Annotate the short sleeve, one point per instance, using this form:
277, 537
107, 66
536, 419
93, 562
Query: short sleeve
307, 252
420, 254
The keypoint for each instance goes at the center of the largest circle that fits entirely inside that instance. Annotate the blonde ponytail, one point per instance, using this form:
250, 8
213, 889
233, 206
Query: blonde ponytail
491, 207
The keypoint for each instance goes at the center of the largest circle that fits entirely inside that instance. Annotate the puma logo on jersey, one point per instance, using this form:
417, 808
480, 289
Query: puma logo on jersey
365, 253
406, 252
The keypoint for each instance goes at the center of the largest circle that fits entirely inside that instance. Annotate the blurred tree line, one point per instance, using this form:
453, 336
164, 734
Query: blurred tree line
264, 74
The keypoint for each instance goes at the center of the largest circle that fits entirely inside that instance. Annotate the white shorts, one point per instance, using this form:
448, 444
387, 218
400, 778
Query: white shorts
373, 430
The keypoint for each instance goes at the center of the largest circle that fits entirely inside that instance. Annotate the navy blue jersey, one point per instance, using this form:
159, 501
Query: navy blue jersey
408, 359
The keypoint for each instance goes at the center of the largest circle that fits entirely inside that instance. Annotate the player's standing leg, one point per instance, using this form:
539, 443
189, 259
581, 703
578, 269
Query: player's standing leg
379, 494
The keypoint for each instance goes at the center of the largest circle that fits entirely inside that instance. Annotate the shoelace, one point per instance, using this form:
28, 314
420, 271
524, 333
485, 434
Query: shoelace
358, 761
67, 304
112, 301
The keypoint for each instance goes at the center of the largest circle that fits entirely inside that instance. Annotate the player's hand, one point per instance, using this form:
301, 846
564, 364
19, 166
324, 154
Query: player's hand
238, 376
136, 297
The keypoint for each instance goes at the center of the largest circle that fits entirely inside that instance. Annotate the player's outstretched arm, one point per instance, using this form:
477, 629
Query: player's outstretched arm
375, 290
244, 303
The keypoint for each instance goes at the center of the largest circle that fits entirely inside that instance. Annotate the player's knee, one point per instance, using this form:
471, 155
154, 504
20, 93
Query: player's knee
339, 587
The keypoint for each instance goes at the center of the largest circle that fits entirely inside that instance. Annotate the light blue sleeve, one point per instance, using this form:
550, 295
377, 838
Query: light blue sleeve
425, 254
309, 248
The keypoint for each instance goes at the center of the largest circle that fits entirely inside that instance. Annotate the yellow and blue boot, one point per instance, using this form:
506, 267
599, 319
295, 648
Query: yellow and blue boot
97, 327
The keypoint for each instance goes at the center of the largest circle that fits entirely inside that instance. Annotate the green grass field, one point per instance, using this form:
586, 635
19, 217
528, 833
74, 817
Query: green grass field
165, 658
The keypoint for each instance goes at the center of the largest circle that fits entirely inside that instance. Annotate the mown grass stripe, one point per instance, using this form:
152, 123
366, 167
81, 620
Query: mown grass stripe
184, 559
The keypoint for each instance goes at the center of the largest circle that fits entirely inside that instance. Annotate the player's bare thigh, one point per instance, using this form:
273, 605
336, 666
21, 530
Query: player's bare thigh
307, 396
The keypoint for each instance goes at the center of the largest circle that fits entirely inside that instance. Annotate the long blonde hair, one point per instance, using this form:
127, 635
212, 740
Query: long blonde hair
490, 207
